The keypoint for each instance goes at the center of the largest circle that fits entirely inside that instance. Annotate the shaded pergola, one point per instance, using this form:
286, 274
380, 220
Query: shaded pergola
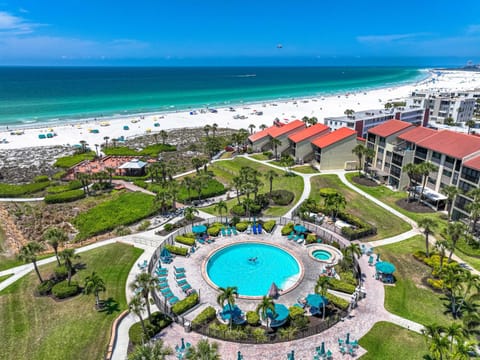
133, 167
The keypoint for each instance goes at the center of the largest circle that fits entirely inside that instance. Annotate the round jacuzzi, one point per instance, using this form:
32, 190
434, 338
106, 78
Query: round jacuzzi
325, 253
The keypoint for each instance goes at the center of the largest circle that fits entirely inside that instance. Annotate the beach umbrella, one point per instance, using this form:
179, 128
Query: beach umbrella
322, 350
347, 341
385, 267
183, 344
273, 292
239, 356
315, 300
329, 354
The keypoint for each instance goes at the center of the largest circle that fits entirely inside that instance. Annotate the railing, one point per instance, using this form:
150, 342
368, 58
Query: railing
328, 236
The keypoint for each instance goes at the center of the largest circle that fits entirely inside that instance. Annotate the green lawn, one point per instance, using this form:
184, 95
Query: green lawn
70, 160
387, 224
260, 157
5, 277
225, 171
410, 298
41, 328
388, 341
305, 169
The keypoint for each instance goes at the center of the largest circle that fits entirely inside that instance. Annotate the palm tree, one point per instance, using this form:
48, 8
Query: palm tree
67, 255
28, 254
207, 129
137, 306
334, 202
114, 142
237, 183
470, 123
441, 246
453, 233
262, 127
188, 184
369, 154
204, 350
359, 150
96, 149
110, 171
474, 209
214, 128
55, 237
228, 295
83, 143
143, 284
220, 207
412, 171
164, 136
450, 192
353, 249
305, 119
173, 189
270, 175
428, 225
197, 163
275, 143
437, 344
94, 284
321, 287
349, 112
312, 121
425, 169
151, 351
106, 138
455, 332
189, 213
452, 285
264, 307
251, 127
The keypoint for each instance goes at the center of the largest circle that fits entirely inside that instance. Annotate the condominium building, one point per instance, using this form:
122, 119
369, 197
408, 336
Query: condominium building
362, 121
334, 150
261, 140
301, 147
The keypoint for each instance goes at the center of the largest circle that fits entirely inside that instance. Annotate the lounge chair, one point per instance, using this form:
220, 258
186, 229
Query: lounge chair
259, 229
291, 235
162, 278
168, 295
161, 273
166, 259
201, 241
229, 232
234, 230
178, 270
249, 230
186, 287
300, 239
179, 276
210, 240
163, 286
173, 300
223, 232
166, 291
254, 229
182, 282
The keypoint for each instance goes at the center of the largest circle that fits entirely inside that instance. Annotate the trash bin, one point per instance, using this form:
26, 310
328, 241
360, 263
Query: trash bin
187, 326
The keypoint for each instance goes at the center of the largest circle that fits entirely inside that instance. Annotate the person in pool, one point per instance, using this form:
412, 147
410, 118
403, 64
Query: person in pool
253, 259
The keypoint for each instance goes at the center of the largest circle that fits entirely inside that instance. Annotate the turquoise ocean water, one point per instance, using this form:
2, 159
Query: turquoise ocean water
37, 95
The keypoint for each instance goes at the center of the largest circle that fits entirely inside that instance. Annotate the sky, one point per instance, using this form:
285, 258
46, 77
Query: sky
194, 32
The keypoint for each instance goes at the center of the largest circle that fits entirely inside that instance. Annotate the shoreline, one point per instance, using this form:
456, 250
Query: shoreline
286, 109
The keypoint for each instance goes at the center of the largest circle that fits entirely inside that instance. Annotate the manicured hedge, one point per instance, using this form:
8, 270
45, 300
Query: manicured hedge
337, 301
342, 286
238, 210
125, 209
45, 288
287, 229
12, 191
63, 291
282, 197
241, 226
41, 178
68, 161
252, 318
178, 250
140, 183
311, 238
63, 197
185, 240
72, 185
205, 316
269, 225
185, 304
154, 325
214, 230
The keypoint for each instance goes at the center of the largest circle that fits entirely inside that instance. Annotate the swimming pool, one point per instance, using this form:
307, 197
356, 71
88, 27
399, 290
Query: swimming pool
322, 255
252, 267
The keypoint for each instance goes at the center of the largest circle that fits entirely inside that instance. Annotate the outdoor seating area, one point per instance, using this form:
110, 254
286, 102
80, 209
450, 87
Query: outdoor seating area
163, 286
165, 256
143, 266
182, 349
279, 317
298, 238
384, 272
347, 346
232, 313
321, 353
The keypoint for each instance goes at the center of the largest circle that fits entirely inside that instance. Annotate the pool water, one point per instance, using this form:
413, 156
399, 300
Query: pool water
252, 267
322, 255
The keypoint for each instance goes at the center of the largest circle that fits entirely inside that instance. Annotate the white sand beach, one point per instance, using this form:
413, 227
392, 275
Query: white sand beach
285, 110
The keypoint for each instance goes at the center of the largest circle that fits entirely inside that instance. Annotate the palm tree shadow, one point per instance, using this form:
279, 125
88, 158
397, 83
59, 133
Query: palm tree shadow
109, 306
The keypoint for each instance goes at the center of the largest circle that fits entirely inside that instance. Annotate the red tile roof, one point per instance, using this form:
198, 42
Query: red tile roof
334, 137
389, 127
417, 134
451, 143
279, 131
473, 163
304, 134
260, 134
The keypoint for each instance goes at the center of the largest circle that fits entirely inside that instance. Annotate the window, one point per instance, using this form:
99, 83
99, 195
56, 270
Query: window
470, 175
464, 186
395, 171
421, 153
436, 157
461, 202
447, 173
431, 181
371, 138
397, 159
381, 150
381, 142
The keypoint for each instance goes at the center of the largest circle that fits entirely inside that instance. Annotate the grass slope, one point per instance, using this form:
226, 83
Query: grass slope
401, 344
225, 171
409, 298
387, 225
40, 328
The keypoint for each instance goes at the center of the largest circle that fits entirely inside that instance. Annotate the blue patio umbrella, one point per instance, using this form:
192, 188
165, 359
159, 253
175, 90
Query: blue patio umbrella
385, 267
183, 344
322, 350
229, 312
299, 228
316, 300
291, 356
239, 356
199, 229
165, 253
281, 315
347, 341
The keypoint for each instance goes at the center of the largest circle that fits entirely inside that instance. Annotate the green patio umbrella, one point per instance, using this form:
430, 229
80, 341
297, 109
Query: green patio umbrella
385, 267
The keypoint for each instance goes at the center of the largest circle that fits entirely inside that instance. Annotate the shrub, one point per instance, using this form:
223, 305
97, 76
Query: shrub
269, 225
342, 286
59, 175
268, 154
178, 250
282, 197
122, 210
63, 197
437, 284
71, 160
60, 273
287, 229
154, 325
259, 335
311, 238
122, 231
185, 240
45, 288
238, 210
74, 184
63, 291
295, 311
241, 226
140, 183
205, 316
11, 191
213, 230
168, 227
186, 304
288, 333
144, 225
40, 178
419, 255
252, 318
348, 277
337, 301
224, 332
212, 187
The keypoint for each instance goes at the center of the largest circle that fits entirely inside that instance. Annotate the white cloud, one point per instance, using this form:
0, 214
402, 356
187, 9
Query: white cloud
473, 29
375, 39
14, 25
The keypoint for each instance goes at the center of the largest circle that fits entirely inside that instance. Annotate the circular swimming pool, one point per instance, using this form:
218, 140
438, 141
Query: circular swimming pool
322, 255
252, 268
